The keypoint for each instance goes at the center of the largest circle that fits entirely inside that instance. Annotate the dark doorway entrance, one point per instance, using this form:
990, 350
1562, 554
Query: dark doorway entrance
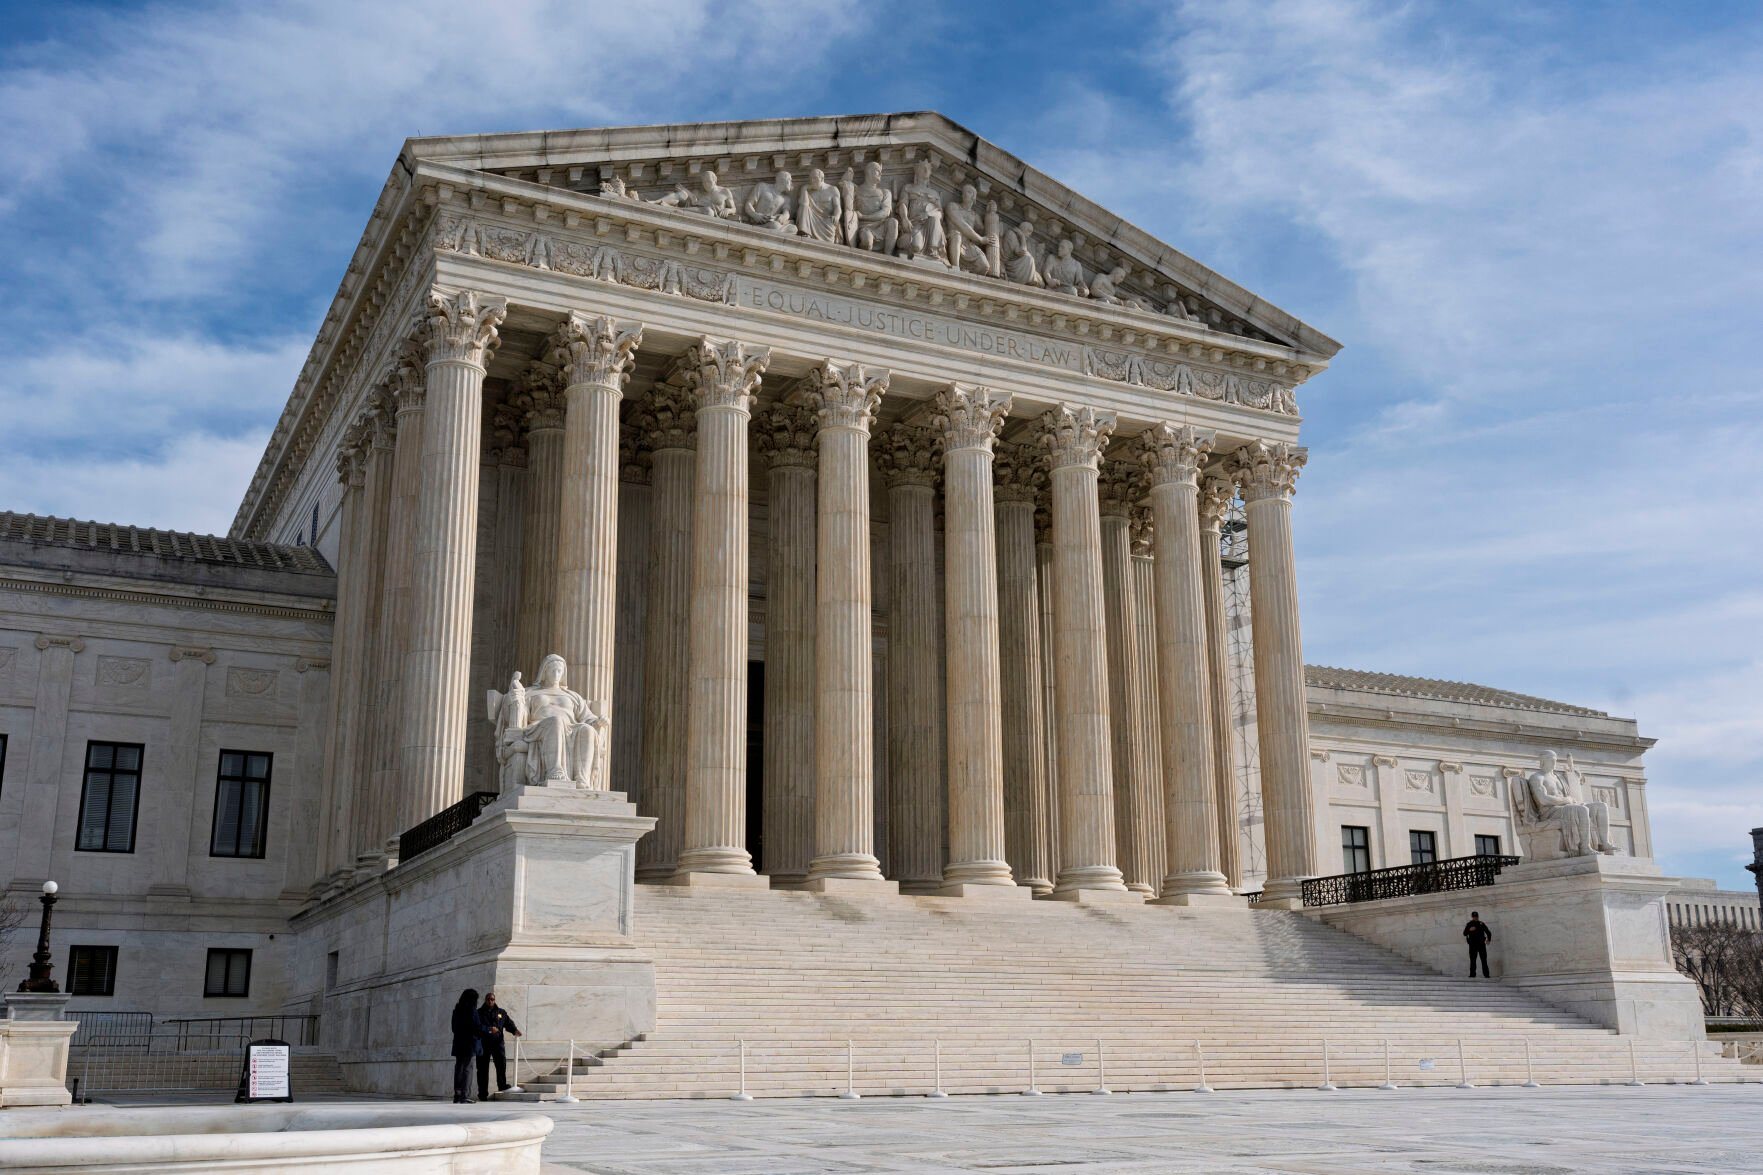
756, 763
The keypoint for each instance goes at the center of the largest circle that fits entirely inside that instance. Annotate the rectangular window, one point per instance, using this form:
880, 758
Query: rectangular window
229, 972
1487, 846
241, 805
110, 797
91, 971
1355, 849
1423, 847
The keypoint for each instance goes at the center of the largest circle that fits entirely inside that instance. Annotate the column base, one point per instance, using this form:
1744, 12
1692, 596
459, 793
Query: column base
851, 886
722, 859
1090, 877
1140, 887
845, 866
1287, 893
1199, 883
699, 879
978, 873
986, 893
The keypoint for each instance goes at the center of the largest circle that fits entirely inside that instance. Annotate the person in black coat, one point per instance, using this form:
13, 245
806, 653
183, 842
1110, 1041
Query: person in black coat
468, 1042
496, 1026
1478, 936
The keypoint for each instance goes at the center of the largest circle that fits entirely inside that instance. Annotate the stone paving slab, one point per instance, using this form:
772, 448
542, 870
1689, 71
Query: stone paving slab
1579, 1130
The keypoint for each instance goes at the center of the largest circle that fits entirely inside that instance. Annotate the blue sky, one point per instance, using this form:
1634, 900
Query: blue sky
1538, 230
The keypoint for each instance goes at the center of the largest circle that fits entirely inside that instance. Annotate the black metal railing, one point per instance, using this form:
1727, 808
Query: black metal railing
443, 826
207, 1032
1405, 880
118, 1029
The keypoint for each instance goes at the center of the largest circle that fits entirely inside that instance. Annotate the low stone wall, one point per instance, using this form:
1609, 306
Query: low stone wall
338, 1140
1586, 934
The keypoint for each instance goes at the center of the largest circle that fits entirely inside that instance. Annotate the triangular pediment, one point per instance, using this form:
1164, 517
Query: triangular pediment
888, 185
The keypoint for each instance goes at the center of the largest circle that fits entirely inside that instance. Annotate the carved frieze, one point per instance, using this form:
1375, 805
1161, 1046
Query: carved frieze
244, 682
1351, 774
123, 672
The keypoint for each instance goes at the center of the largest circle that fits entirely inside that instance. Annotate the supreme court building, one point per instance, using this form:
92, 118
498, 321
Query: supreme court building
909, 528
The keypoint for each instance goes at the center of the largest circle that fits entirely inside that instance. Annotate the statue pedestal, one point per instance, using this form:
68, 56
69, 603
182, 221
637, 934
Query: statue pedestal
33, 1049
1585, 934
532, 901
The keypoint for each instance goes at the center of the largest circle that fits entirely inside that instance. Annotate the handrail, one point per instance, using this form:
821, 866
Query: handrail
297, 1028
443, 826
1403, 881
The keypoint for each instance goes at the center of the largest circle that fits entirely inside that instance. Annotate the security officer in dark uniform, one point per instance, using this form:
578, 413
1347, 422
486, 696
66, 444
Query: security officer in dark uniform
496, 1026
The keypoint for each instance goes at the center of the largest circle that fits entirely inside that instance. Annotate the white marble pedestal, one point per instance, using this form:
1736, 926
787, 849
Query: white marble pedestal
33, 1049
532, 901
1586, 934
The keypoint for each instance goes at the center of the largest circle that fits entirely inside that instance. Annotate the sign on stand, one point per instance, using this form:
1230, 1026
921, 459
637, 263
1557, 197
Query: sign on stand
267, 1074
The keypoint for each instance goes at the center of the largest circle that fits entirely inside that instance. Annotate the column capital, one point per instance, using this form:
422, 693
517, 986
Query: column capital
352, 457
1268, 471
667, 419
460, 326
1120, 485
908, 456
1216, 494
407, 381
380, 416
594, 349
506, 436
1139, 522
540, 397
969, 416
723, 373
633, 455
784, 435
1018, 472
1174, 455
846, 396
1075, 437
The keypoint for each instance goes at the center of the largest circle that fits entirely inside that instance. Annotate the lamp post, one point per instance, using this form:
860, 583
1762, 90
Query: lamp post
1756, 865
40, 980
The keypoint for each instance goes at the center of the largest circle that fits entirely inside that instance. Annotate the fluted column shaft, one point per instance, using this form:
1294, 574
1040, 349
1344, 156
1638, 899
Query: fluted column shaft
409, 386
460, 331
1133, 782
1044, 577
1174, 456
377, 493
351, 626
844, 698
1268, 474
1215, 498
786, 437
969, 418
543, 401
908, 460
1075, 438
1150, 812
594, 354
723, 377
1026, 830
673, 469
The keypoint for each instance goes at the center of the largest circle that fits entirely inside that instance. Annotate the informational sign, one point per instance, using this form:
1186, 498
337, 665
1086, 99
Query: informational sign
266, 1076
1071, 1059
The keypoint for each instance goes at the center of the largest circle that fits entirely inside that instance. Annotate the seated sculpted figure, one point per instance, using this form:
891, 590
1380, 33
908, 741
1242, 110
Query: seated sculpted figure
712, 199
920, 209
1064, 272
821, 210
1553, 820
973, 237
547, 734
869, 214
768, 205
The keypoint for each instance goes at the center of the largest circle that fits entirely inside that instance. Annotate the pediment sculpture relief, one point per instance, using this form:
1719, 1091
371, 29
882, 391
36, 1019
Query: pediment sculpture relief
914, 220
1553, 817
547, 735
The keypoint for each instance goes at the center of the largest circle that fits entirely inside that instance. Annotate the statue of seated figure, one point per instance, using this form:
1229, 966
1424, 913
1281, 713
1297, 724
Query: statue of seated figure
547, 734
1552, 819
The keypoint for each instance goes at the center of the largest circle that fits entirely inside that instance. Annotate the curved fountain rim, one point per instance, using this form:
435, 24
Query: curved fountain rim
174, 1149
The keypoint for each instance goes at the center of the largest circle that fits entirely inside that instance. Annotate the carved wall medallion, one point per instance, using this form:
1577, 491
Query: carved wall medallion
1351, 774
117, 672
1609, 796
1484, 785
1420, 781
249, 683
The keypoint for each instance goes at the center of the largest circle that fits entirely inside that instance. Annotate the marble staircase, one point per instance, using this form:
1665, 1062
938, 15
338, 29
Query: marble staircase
1122, 996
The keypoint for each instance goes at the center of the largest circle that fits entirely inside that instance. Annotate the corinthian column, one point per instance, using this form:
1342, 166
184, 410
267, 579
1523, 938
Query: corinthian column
368, 836
1174, 456
785, 438
1215, 498
1134, 785
350, 630
409, 386
1044, 577
722, 378
1074, 439
1151, 815
968, 418
671, 427
459, 330
1026, 830
908, 458
594, 354
542, 400
1268, 474
844, 697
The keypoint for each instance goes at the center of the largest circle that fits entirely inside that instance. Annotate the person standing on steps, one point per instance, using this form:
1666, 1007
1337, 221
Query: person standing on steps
1478, 936
467, 1044
496, 1026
